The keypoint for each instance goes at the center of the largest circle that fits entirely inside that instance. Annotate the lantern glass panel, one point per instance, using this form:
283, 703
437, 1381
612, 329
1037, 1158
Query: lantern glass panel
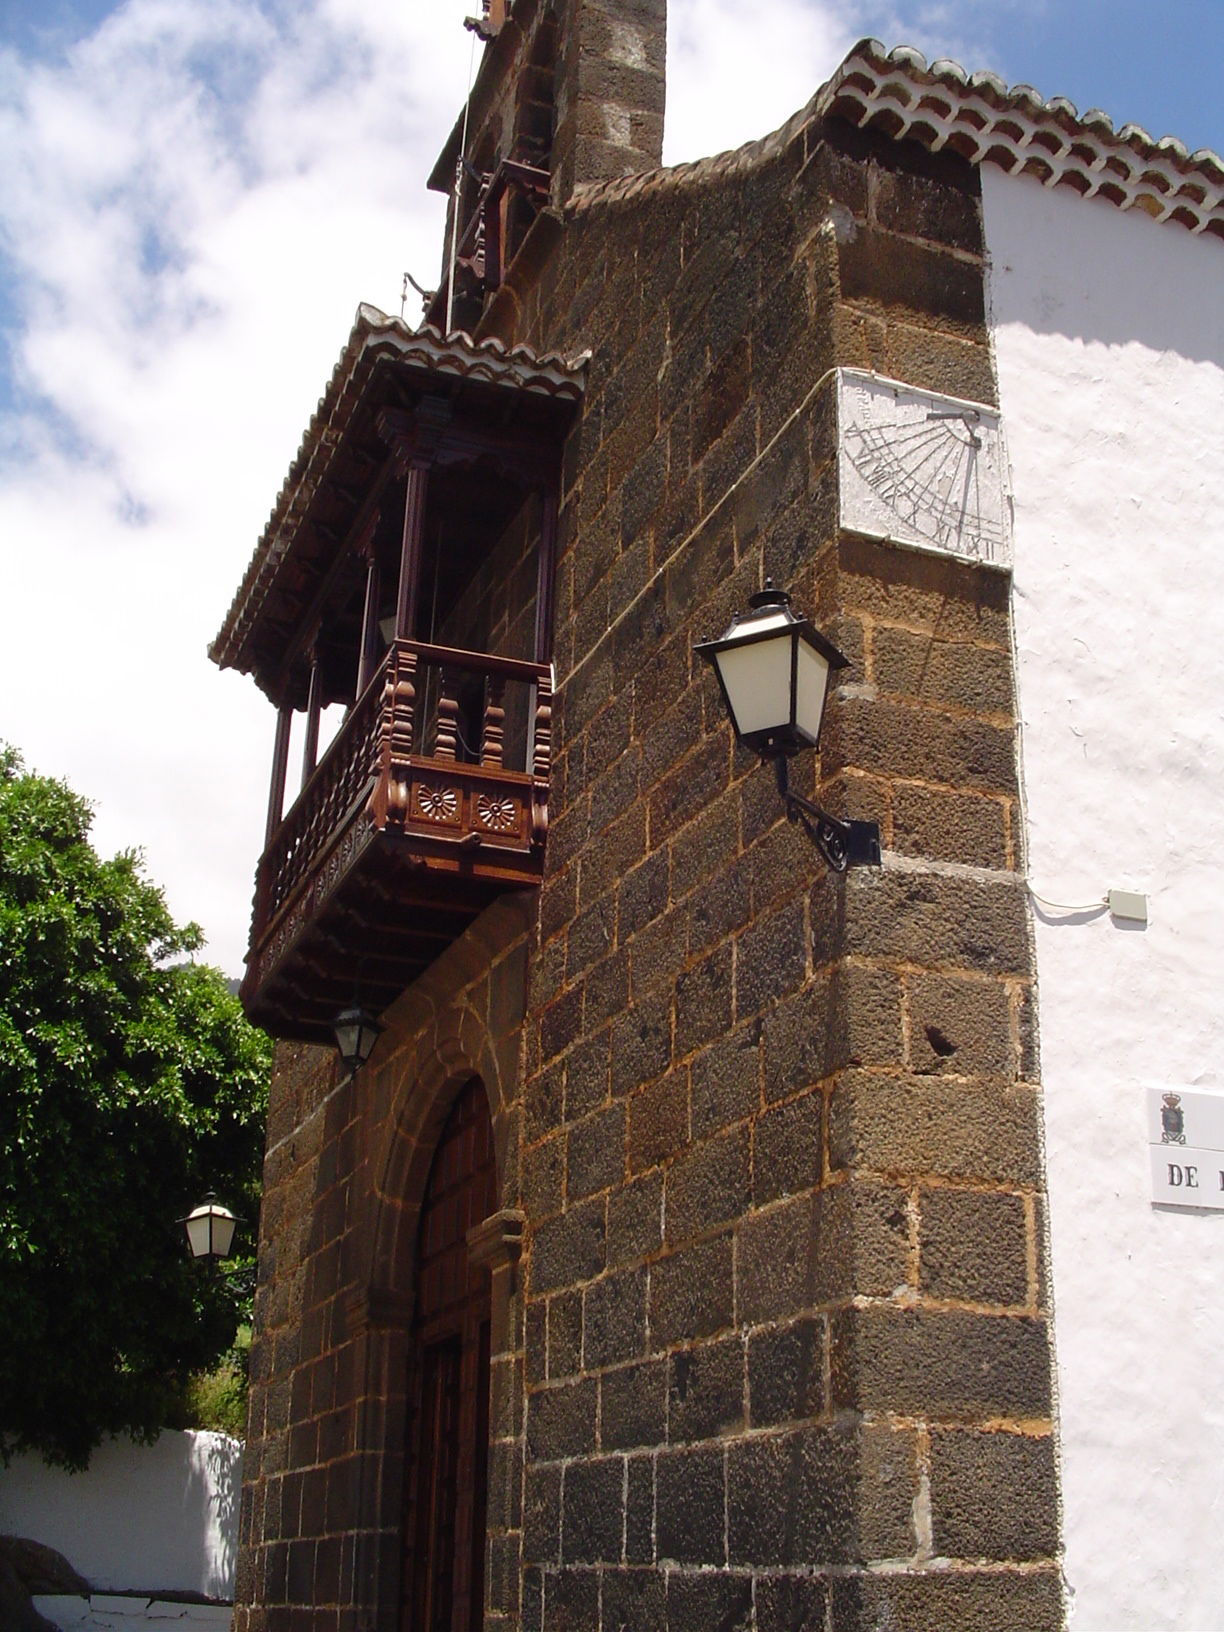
348, 1039
811, 687
355, 1032
210, 1231
222, 1233
757, 678
199, 1234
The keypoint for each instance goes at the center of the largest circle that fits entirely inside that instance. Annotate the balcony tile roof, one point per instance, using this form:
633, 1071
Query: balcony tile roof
376, 338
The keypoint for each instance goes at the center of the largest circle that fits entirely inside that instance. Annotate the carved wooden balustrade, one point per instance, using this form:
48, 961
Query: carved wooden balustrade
431, 799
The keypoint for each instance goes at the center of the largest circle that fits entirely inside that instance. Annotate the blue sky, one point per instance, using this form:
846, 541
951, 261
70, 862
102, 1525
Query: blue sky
1158, 67
195, 196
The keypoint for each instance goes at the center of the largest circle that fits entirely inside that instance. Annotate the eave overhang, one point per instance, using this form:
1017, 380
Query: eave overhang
385, 365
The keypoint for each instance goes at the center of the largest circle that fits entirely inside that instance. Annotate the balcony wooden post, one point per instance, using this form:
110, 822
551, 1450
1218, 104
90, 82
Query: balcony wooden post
310, 749
541, 759
492, 740
410, 551
446, 736
367, 660
280, 766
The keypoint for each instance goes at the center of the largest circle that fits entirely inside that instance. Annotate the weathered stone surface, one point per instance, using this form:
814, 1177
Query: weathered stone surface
943, 826
786, 1366
690, 1497
953, 1601
974, 1246
708, 1185
561, 1421
695, 1603
732, 1094
614, 1319
569, 1248
706, 1391
633, 1406
899, 1124
692, 1292
960, 1027
947, 1365
994, 1495
593, 1518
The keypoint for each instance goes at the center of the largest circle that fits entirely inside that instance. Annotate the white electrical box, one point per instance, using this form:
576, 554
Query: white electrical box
1128, 905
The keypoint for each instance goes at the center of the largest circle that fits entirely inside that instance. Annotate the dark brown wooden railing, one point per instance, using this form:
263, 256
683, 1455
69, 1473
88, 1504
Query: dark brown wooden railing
452, 747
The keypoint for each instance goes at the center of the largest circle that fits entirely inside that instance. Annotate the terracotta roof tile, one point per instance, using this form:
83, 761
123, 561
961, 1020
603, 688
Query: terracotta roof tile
376, 337
985, 121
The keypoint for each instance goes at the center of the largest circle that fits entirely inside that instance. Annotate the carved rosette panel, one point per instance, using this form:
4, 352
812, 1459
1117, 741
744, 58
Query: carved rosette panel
497, 813
435, 802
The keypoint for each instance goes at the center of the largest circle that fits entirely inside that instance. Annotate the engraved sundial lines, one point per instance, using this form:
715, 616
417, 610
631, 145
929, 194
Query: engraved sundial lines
922, 469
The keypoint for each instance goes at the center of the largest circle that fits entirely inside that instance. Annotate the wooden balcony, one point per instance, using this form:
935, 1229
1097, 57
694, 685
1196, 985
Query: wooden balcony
431, 800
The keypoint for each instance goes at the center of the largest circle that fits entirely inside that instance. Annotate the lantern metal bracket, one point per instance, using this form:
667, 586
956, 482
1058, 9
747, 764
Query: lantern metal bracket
842, 844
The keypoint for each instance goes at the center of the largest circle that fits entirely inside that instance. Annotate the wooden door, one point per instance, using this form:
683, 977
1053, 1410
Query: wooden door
444, 1522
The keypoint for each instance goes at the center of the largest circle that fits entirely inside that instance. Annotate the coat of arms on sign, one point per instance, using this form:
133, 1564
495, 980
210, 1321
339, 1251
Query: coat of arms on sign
1172, 1120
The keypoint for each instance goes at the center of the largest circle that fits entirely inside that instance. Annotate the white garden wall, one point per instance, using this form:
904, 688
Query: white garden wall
1109, 336
143, 1518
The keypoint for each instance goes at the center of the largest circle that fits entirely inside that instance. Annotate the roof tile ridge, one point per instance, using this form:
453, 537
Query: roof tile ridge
692, 172
373, 320
984, 120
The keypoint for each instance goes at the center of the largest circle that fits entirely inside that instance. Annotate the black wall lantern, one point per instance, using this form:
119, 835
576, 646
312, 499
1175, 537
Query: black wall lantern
774, 670
356, 1032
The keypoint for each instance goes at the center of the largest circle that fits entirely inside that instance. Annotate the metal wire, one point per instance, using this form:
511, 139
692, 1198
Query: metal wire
1063, 906
459, 169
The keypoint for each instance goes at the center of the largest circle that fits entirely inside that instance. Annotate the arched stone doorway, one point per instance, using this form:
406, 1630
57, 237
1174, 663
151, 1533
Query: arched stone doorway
448, 1420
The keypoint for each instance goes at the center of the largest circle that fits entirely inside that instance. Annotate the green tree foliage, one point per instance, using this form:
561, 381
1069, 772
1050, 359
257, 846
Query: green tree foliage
130, 1085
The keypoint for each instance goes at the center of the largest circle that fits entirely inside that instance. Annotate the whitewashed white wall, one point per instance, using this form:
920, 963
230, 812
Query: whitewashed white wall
104, 1612
1109, 336
142, 1518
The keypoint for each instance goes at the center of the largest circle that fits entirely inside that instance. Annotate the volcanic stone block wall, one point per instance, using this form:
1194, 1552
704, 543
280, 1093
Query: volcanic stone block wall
611, 91
346, 1167
785, 1314
776, 1352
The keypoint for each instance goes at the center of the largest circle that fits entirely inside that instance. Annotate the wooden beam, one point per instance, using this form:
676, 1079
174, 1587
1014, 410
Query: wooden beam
308, 622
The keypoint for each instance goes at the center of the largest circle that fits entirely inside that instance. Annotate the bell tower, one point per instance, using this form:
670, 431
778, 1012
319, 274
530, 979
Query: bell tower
568, 92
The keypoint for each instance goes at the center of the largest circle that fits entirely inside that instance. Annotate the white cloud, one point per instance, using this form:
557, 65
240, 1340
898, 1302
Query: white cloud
736, 72
194, 200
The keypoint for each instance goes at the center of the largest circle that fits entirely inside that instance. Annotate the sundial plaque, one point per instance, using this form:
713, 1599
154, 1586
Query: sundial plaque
922, 469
